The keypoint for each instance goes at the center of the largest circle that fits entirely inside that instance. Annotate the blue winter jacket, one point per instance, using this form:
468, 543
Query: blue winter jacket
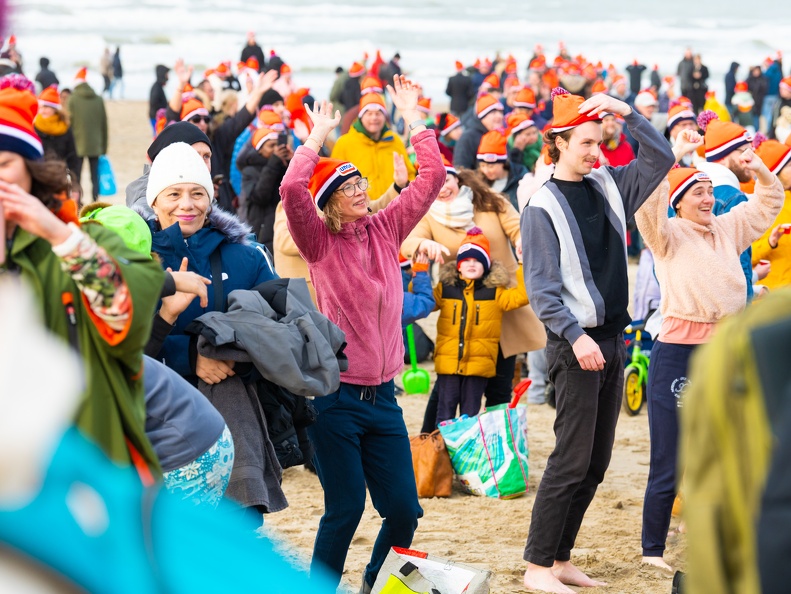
244, 265
773, 74
418, 303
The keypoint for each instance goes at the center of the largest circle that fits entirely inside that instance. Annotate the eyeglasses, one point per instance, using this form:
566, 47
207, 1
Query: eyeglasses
198, 118
349, 190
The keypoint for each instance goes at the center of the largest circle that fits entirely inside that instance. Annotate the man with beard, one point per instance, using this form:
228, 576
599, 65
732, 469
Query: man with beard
725, 142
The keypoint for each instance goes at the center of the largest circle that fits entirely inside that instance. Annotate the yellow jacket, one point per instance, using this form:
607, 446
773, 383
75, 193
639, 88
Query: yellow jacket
470, 318
373, 159
780, 257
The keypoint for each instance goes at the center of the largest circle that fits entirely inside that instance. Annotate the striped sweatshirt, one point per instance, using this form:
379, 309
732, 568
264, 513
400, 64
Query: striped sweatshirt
574, 240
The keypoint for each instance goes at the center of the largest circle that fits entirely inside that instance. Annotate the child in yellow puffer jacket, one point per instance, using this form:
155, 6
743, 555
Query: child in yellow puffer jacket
471, 297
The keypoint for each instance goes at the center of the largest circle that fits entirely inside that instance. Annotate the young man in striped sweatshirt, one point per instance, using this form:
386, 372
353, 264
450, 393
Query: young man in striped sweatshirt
574, 245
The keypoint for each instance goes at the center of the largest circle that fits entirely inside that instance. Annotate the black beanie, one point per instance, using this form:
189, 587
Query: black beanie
270, 97
178, 132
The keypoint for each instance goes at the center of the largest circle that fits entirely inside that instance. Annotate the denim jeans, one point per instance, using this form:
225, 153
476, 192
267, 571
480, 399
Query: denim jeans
588, 403
361, 439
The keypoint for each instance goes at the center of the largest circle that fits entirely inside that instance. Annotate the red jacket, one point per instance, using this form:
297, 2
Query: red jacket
622, 154
355, 272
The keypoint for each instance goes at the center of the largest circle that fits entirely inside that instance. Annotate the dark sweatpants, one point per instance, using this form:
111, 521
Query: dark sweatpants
588, 403
667, 381
93, 163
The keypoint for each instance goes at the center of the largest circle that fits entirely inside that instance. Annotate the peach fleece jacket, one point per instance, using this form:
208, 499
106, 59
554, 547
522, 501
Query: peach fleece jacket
698, 266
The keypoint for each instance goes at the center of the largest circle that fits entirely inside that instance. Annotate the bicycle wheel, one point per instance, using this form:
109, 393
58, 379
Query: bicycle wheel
633, 392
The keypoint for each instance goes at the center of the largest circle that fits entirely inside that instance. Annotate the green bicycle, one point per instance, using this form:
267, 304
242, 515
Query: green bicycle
635, 374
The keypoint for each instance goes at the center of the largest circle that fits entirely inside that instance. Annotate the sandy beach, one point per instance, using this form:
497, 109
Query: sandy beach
484, 532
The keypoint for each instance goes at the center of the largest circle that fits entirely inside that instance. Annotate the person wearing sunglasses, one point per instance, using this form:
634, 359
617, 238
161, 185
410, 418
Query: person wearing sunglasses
359, 435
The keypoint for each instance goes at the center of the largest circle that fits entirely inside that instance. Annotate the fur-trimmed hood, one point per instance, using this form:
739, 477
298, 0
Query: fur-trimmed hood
226, 223
497, 277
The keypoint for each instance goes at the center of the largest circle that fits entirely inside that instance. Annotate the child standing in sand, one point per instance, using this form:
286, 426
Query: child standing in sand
471, 297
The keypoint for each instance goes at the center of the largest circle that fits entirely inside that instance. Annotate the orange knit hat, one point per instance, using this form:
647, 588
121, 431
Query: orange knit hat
372, 101
682, 179
785, 84
774, 154
50, 97
424, 105
252, 63
525, 98
459, 66
475, 246
518, 122
269, 119
356, 70
677, 114
565, 108
493, 148
492, 81
81, 76
721, 138
451, 123
598, 87
327, 177
449, 168
18, 107
285, 69
370, 84
485, 104
261, 135
191, 108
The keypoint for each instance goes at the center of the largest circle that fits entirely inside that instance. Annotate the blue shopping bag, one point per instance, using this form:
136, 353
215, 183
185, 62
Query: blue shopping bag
106, 177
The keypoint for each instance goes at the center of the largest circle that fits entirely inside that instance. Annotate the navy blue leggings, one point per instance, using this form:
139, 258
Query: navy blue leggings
667, 381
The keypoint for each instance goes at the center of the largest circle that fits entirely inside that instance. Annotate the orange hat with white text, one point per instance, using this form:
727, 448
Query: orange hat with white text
565, 108
476, 247
493, 148
327, 177
682, 179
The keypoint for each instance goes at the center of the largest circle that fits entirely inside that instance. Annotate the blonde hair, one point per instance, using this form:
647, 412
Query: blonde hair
332, 214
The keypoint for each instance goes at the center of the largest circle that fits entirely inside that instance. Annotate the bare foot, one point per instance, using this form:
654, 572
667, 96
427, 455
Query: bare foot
571, 576
658, 562
543, 580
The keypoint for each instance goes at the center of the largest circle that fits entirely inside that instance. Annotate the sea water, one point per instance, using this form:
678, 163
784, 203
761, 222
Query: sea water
315, 36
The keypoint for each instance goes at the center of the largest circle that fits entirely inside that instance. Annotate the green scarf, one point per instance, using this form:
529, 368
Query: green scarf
358, 125
530, 153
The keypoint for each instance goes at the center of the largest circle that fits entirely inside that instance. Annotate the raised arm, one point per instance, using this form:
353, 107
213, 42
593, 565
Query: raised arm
308, 231
637, 180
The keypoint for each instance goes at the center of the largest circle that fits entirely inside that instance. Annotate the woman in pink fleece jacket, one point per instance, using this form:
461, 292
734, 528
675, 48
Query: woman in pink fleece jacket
697, 264
360, 435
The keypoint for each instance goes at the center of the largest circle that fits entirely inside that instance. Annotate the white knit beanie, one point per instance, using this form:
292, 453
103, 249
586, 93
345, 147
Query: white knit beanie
177, 163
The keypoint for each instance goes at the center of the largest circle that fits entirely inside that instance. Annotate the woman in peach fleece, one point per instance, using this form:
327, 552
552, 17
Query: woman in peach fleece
697, 264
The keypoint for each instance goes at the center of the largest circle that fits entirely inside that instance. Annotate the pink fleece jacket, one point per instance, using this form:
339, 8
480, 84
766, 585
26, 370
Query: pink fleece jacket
355, 272
698, 268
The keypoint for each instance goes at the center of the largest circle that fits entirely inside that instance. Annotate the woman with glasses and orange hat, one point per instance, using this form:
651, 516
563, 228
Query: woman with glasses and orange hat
360, 435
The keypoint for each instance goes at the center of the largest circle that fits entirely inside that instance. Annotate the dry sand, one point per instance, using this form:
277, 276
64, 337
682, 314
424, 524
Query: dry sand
484, 532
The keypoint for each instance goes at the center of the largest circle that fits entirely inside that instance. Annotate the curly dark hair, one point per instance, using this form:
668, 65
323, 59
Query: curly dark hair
484, 199
50, 177
549, 141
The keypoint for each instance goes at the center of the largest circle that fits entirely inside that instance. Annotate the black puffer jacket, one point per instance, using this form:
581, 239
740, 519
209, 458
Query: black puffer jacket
261, 189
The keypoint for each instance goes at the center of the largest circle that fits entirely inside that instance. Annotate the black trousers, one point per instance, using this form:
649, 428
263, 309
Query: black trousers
588, 403
93, 163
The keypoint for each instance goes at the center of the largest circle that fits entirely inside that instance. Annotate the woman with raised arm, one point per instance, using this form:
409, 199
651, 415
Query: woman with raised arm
360, 435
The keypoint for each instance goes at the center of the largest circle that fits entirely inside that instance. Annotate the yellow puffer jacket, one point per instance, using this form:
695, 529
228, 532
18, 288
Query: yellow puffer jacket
471, 313
374, 160
780, 257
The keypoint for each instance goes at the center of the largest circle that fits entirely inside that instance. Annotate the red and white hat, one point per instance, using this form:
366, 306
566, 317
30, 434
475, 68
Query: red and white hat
269, 119
327, 177
682, 179
191, 108
424, 105
372, 101
459, 66
50, 97
485, 104
493, 148
678, 114
81, 76
645, 98
451, 123
565, 107
475, 246
18, 107
785, 84
449, 168
356, 70
518, 122
721, 138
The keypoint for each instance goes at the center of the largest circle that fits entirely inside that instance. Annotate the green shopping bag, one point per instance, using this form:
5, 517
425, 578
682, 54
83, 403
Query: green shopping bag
489, 451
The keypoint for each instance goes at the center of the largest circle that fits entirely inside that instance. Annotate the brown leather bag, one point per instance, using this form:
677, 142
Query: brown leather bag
431, 463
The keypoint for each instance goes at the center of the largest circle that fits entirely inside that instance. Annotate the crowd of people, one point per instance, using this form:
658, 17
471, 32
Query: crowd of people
244, 311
